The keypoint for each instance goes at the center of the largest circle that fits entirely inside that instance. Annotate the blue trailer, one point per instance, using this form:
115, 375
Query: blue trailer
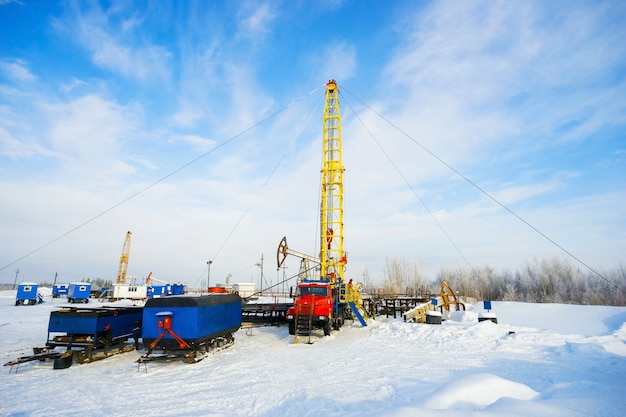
79, 292
188, 327
87, 334
59, 290
27, 294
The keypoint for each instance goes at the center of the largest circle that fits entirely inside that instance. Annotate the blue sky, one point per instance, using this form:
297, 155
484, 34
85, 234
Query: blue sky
197, 126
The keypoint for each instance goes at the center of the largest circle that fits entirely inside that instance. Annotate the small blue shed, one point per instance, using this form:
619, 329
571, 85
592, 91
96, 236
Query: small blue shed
79, 292
27, 294
59, 290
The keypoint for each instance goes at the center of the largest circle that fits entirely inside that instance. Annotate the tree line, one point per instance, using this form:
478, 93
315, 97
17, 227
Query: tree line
540, 281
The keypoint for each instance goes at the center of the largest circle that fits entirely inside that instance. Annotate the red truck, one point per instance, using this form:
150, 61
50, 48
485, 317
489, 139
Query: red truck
316, 306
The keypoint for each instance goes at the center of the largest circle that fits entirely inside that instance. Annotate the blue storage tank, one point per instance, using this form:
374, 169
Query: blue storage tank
79, 292
27, 294
194, 319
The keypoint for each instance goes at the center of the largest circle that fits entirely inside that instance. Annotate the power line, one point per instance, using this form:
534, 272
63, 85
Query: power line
484, 192
432, 215
267, 180
160, 180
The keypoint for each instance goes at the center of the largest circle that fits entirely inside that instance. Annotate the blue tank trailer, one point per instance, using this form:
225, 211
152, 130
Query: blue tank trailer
87, 334
189, 327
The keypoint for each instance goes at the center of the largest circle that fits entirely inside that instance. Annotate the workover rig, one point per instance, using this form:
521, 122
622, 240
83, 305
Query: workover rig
326, 300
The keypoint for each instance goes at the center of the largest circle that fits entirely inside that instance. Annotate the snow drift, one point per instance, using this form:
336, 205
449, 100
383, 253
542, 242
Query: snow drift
540, 360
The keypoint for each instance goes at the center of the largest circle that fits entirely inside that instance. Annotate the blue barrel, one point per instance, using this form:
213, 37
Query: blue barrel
194, 319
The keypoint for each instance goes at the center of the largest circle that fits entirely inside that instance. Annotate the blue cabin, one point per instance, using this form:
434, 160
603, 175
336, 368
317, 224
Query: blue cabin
27, 294
59, 290
79, 292
157, 291
178, 289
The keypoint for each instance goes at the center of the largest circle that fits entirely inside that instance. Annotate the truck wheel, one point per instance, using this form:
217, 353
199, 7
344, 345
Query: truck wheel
327, 328
292, 327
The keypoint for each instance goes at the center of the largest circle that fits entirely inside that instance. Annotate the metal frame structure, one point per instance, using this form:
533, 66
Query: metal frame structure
332, 255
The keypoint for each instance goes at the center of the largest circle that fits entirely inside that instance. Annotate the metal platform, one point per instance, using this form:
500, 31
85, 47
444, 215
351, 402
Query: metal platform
265, 312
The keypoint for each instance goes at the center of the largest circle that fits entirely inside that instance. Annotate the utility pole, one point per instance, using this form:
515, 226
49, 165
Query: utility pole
260, 265
15, 282
208, 278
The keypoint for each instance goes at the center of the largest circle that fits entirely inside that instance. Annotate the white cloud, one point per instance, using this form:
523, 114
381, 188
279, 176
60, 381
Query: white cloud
91, 133
114, 46
187, 117
142, 63
256, 17
337, 61
17, 70
199, 142
11, 147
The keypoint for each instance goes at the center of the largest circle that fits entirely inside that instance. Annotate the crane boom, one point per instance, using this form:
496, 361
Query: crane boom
332, 255
121, 271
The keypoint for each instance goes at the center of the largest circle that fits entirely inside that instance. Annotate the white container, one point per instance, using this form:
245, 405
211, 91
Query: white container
245, 289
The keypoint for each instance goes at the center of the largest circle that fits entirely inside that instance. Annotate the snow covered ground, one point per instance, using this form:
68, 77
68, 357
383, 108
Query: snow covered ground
539, 360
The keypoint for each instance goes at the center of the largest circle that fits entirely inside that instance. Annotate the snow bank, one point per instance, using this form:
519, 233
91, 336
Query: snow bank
478, 390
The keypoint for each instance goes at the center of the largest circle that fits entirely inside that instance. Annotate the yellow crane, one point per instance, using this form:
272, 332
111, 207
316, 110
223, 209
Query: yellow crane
121, 271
